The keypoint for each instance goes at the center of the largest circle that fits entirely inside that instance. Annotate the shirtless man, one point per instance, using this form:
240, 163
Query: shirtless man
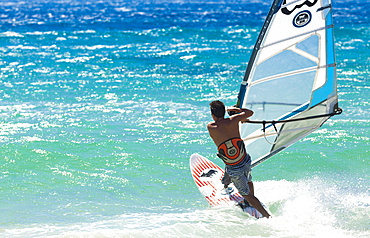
225, 134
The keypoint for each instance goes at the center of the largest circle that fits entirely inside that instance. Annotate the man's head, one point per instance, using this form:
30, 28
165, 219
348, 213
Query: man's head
217, 109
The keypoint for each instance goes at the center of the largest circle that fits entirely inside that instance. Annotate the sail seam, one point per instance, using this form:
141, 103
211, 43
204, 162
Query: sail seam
296, 36
290, 74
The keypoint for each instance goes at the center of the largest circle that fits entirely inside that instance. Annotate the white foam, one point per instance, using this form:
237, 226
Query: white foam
76, 59
123, 9
307, 208
10, 34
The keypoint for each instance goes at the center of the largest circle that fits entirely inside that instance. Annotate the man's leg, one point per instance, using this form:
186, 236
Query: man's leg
254, 202
226, 180
251, 187
243, 182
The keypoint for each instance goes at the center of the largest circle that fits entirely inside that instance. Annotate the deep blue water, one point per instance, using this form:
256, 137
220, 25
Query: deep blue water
103, 102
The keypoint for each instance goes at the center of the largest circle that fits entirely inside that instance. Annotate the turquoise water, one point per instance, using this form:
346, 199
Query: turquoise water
102, 104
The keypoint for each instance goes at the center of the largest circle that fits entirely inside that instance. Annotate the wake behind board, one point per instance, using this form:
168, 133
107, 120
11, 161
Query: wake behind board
207, 176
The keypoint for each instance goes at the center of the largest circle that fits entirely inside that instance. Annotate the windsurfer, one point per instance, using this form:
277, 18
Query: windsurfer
225, 134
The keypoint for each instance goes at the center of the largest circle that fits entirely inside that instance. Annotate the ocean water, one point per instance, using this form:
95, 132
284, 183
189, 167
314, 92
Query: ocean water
103, 102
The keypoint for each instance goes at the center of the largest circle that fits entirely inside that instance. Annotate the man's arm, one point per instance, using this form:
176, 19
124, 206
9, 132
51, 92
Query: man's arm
241, 113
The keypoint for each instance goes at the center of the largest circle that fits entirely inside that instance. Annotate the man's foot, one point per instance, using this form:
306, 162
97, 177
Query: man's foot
227, 191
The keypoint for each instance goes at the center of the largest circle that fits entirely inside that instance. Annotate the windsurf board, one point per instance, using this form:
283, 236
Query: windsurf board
207, 176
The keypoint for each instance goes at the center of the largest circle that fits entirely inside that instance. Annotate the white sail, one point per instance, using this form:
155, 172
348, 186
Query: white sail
290, 75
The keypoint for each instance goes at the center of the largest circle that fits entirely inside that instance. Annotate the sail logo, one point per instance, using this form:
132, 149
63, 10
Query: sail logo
308, 3
302, 19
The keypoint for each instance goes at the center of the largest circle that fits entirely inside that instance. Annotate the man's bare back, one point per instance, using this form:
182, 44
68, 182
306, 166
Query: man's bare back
223, 129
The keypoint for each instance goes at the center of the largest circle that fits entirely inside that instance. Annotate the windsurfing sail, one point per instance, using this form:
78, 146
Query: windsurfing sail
290, 81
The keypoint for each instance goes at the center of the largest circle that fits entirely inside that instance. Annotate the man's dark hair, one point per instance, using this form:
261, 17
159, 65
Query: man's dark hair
218, 108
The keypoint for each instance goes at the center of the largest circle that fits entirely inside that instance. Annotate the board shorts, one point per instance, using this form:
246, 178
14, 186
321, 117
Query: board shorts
240, 176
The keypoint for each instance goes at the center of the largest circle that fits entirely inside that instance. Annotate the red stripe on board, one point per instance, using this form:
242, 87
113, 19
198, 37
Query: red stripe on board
198, 165
199, 168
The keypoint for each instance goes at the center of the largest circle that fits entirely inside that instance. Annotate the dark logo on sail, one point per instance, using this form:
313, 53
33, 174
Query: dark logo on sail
308, 3
302, 19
